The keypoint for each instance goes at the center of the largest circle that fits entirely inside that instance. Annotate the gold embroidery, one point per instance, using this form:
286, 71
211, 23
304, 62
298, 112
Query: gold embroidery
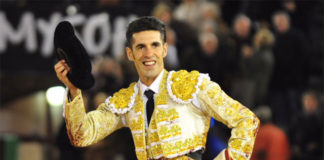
139, 141
247, 148
163, 115
154, 137
236, 105
162, 97
122, 98
139, 104
237, 156
160, 137
173, 114
184, 84
163, 132
211, 93
237, 117
153, 124
248, 123
239, 133
203, 84
141, 155
156, 150
219, 101
182, 158
137, 125
172, 148
168, 131
229, 111
236, 144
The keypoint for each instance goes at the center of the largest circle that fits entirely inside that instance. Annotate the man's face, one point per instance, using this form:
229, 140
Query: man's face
147, 52
281, 23
242, 27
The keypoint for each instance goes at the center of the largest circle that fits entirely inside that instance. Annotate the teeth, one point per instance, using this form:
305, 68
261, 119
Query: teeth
149, 63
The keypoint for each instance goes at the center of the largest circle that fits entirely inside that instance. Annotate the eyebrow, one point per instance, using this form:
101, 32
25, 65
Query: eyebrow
153, 43
156, 43
139, 45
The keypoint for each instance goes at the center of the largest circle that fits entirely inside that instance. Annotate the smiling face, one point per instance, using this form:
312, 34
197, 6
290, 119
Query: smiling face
147, 52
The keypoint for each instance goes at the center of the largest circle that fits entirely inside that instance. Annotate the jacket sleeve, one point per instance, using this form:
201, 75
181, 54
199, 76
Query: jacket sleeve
84, 128
215, 103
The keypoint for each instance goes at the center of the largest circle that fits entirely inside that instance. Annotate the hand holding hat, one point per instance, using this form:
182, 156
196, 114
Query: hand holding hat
69, 48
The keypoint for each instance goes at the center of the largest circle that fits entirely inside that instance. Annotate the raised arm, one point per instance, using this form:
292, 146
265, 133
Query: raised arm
215, 103
62, 69
84, 128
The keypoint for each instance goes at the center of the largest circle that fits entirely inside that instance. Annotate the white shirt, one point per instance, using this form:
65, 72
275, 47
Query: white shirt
154, 87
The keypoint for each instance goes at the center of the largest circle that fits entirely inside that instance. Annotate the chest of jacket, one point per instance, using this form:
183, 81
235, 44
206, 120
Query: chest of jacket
175, 129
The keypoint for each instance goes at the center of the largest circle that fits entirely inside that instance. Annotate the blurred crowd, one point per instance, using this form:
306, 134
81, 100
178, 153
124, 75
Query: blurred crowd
267, 55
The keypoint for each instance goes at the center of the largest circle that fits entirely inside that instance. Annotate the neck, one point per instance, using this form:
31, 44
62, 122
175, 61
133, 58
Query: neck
149, 80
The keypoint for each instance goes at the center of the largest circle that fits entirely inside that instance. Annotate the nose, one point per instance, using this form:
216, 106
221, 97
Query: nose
148, 52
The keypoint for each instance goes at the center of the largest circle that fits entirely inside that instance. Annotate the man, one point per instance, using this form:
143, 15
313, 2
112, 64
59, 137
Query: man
289, 75
271, 142
306, 131
173, 124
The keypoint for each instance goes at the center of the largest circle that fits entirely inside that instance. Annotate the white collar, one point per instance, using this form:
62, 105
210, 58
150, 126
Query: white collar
154, 86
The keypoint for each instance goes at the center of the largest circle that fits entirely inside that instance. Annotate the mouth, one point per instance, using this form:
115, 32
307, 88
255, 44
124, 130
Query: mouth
149, 63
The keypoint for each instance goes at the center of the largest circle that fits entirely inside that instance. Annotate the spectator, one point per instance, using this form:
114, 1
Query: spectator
307, 129
215, 58
256, 66
182, 37
188, 11
163, 12
242, 33
289, 74
109, 75
271, 142
211, 18
242, 37
242, 28
172, 60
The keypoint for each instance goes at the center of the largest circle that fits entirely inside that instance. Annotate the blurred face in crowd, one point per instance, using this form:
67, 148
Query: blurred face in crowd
290, 6
242, 27
209, 44
147, 52
165, 16
310, 103
281, 23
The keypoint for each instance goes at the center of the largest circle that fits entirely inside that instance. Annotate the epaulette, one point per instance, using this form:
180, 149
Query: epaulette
183, 86
123, 100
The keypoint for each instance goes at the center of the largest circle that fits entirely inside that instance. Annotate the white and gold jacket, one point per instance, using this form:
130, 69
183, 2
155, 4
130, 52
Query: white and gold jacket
179, 124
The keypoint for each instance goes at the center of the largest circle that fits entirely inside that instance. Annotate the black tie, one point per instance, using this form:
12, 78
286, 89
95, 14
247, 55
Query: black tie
149, 104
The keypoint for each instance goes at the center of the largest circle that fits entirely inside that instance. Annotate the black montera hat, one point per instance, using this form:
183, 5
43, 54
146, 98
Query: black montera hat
69, 47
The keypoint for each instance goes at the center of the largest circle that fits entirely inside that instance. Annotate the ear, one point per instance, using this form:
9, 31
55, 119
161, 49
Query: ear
130, 54
165, 49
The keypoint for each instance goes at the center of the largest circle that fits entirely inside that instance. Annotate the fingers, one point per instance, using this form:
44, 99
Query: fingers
61, 63
65, 72
62, 69
60, 66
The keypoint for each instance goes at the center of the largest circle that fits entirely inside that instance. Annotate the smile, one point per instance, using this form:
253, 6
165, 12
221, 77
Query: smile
149, 63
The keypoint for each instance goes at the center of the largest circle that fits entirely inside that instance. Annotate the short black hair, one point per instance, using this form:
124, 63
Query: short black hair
143, 24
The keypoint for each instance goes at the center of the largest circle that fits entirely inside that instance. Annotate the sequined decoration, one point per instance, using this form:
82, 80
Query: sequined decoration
184, 84
122, 98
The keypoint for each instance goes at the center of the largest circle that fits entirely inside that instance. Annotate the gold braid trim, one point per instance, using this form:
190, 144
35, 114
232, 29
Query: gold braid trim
123, 100
183, 86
